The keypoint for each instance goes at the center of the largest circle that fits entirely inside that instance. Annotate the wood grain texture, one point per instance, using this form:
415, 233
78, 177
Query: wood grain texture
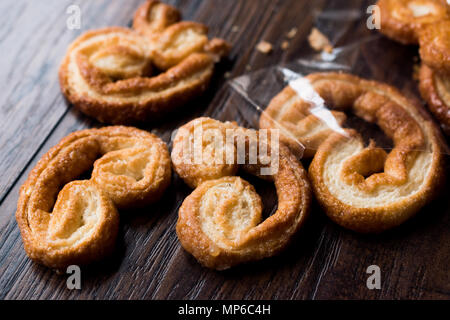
324, 262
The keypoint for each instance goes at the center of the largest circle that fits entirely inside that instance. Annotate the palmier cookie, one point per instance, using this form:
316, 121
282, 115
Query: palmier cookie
65, 221
367, 189
119, 75
304, 123
435, 90
219, 223
402, 20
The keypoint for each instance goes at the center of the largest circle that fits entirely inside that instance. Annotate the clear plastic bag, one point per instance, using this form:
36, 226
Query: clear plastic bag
373, 145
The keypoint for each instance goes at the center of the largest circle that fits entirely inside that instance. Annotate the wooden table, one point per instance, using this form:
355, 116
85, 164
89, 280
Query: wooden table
324, 262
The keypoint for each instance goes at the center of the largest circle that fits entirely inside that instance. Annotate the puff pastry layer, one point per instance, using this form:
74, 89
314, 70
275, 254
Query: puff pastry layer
427, 23
119, 75
364, 188
435, 89
78, 223
220, 222
403, 20
213, 162
434, 49
300, 127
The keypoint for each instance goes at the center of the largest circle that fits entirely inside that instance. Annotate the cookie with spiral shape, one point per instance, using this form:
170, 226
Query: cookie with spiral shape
220, 222
66, 221
121, 75
403, 20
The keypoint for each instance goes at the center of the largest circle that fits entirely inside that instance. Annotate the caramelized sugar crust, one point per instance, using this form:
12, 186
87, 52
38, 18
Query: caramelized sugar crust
435, 90
435, 46
66, 221
220, 222
403, 20
364, 188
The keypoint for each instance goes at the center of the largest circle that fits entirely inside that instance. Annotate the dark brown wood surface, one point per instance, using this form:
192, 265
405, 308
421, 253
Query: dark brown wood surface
324, 262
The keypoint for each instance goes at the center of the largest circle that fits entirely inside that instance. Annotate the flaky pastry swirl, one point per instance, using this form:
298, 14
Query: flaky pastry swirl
434, 49
183, 152
426, 23
299, 126
79, 224
219, 223
109, 73
435, 89
364, 188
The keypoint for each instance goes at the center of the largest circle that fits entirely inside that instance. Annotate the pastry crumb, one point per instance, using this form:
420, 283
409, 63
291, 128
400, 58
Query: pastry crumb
235, 29
248, 67
284, 45
319, 42
227, 75
291, 34
264, 47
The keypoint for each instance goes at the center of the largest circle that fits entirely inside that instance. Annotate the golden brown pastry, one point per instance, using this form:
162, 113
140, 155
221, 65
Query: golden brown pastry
427, 23
110, 74
364, 188
220, 222
197, 165
434, 42
402, 20
435, 90
66, 221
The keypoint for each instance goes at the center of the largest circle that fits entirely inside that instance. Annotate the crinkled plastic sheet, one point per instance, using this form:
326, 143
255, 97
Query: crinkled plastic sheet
246, 97
366, 57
